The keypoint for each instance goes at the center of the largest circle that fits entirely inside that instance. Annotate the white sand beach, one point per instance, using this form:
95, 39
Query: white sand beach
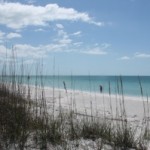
97, 104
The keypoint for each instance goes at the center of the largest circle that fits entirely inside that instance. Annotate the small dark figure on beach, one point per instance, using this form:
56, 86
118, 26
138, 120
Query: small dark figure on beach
101, 88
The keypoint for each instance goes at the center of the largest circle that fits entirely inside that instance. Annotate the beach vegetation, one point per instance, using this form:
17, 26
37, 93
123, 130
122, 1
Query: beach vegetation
27, 123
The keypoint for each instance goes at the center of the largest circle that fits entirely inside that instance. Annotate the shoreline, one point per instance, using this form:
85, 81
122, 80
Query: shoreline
135, 98
132, 97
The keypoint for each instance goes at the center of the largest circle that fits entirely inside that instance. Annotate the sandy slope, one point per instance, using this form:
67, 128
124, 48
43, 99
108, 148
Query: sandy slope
96, 104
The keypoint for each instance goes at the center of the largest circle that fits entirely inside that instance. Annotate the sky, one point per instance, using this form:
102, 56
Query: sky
79, 37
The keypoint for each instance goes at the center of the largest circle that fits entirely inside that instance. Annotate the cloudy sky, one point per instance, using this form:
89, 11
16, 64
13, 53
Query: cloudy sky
100, 37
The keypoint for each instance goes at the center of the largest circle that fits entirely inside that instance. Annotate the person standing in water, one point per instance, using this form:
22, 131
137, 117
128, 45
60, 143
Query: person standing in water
101, 88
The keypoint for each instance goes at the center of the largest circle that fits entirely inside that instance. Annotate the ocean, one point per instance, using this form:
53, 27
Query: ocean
109, 84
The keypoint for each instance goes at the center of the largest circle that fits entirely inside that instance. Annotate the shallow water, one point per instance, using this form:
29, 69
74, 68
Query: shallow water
112, 84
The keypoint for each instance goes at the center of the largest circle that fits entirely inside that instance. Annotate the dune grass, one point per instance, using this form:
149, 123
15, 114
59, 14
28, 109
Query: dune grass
26, 123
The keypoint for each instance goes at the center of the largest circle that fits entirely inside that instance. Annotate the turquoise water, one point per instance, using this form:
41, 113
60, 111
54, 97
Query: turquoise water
130, 84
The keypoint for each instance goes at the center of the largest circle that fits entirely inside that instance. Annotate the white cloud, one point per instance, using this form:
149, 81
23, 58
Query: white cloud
43, 50
77, 44
124, 58
39, 30
77, 33
24, 50
97, 23
136, 55
105, 45
60, 26
98, 49
63, 38
95, 51
65, 41
40, 51
17, 16
2, 34
2, 50
142, 55
29, 52
13, 35
62, 33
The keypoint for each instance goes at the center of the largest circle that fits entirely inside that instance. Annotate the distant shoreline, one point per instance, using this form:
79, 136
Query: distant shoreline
130, 84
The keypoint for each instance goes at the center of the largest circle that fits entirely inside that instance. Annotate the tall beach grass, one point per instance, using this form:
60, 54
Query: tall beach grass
26, 121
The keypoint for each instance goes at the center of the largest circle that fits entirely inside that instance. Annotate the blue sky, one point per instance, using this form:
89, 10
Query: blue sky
100, 37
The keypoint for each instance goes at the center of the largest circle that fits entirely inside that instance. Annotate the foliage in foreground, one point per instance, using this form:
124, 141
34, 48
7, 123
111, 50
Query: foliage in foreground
25, 122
